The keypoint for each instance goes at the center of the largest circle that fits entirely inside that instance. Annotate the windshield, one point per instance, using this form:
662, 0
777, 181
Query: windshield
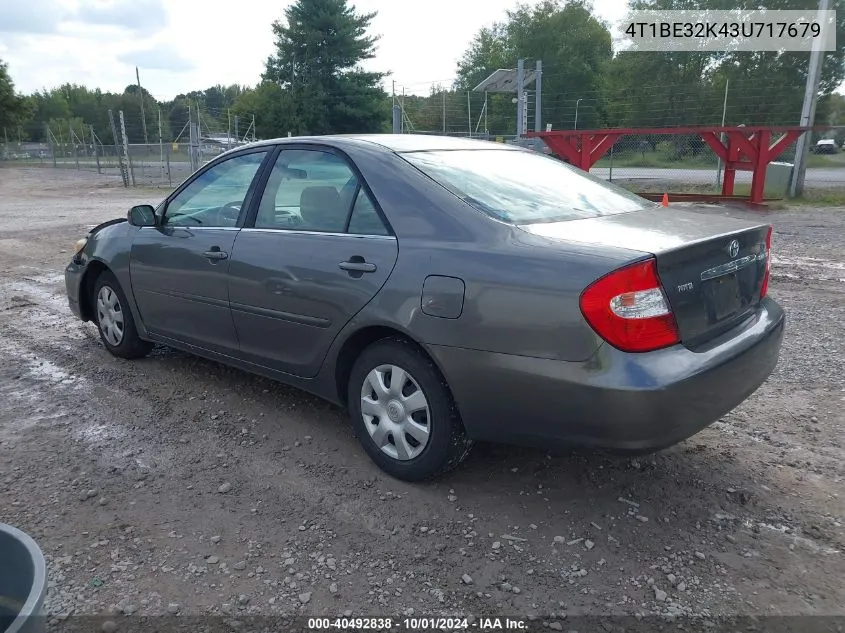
523, 187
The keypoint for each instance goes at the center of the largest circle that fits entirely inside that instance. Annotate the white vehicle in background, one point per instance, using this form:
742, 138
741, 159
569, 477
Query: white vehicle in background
826, 146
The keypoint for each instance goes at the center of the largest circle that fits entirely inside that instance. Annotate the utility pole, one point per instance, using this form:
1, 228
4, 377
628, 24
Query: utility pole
141, 97
808, 110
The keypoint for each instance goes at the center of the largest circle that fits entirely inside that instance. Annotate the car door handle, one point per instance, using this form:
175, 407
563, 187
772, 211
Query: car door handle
357, 267
212, 254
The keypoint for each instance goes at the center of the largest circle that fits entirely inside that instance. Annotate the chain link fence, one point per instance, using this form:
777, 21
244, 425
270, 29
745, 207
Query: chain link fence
681, 163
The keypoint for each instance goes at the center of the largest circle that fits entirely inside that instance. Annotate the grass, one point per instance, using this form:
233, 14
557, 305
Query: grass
830, 197
657, 160
664, 160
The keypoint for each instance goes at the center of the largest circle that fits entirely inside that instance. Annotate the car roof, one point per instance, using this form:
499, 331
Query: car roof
394, 142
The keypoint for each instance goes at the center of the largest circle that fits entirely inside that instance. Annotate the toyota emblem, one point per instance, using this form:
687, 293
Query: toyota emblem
733, 248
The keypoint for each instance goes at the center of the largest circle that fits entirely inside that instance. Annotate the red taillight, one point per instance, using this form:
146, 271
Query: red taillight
764, 287
628, 309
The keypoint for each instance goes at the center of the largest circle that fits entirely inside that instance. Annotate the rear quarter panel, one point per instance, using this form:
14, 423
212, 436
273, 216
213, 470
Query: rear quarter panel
522, 300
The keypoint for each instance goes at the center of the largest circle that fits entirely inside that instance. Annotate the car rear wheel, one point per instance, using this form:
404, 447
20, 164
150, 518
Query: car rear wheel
114, 319
403, 412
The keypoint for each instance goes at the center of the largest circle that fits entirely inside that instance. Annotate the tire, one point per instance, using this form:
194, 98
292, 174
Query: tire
114, 319
378, 421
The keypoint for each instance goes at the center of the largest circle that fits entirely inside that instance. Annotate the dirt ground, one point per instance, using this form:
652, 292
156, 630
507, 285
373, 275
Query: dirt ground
177, 485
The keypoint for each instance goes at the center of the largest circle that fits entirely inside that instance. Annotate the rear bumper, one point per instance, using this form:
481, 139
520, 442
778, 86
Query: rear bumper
616, 400
73, 282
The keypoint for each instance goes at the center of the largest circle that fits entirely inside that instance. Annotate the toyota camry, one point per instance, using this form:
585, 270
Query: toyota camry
444, 291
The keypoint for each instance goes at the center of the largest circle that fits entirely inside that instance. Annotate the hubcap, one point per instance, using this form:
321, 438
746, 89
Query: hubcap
395, 412
110, 316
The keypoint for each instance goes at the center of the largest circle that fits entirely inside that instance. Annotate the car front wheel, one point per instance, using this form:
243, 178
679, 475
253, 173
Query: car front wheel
114, 319
403, 412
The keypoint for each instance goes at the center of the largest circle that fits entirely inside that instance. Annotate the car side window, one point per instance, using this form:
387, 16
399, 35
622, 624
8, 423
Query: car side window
365, 219
214, 198
308, 190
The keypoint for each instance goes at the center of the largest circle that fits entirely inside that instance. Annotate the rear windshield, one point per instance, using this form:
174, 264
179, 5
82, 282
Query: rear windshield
523, 187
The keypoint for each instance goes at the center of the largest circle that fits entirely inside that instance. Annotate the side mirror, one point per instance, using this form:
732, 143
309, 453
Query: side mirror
142, 215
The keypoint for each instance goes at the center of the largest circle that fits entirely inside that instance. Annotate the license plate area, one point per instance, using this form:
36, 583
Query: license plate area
722, 297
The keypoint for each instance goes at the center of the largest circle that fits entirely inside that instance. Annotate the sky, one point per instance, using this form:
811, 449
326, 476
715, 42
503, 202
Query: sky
185, 45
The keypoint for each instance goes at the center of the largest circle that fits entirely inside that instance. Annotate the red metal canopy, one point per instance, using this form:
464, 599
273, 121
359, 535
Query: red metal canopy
746, 148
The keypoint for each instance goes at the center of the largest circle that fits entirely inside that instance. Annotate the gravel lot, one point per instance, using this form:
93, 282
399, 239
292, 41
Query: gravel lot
177, 485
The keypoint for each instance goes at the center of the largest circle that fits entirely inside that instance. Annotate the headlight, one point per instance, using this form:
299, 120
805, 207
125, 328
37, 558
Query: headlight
80, 244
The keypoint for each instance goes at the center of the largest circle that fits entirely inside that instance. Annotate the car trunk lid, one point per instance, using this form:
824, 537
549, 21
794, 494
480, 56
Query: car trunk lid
711, 267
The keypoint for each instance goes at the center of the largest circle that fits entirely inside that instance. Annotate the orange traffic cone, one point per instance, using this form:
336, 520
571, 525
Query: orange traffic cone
665, 202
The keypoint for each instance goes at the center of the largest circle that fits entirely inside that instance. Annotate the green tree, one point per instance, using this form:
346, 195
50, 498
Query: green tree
687, 88
274, 109
575, 47
320, 46
13, 107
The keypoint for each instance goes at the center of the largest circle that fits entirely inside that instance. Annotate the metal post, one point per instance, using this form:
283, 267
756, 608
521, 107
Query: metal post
141, 97
126, 146
719, 159
6, 144
397, 119
96, 153
118, 153
524, 113
253, 127
228, 128
575, 127
237, 138
160, 146
444, 112
169, 178
469, 115
192, 136
808, 110
50, 140
73, 144
520, 79
610, 175
486, 128
198, 135
538, 92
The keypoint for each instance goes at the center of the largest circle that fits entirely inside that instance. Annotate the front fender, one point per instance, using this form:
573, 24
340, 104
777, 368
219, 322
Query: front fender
109, 247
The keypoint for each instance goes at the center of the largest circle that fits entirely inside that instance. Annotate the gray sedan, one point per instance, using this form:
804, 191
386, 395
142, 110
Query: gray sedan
445, 291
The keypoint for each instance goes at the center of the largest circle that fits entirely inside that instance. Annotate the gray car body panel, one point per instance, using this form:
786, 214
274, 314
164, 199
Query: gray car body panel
109, 244
519, 332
